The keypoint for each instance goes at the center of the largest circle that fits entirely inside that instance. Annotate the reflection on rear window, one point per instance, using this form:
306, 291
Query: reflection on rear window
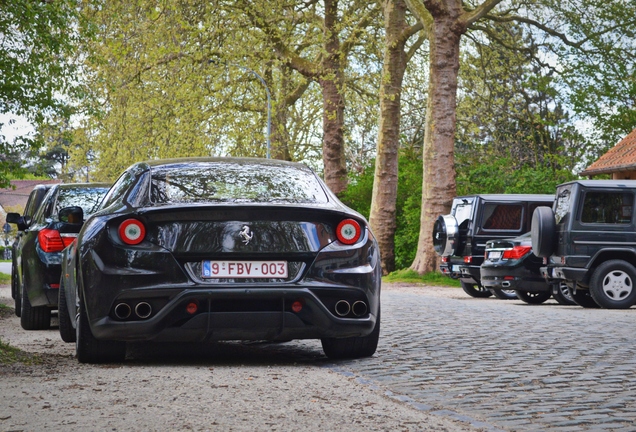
86, 197
562, 203
607, 208
234, 182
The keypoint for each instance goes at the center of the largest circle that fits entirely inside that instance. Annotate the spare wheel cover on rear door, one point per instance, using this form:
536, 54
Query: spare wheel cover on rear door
543, 231
445, 235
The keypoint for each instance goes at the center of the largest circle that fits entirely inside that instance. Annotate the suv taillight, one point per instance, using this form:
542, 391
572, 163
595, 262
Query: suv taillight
516, 252
51, 241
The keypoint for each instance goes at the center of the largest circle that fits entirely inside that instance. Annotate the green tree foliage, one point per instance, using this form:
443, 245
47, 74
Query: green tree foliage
37, 47
598, 66
511, 118
408, 202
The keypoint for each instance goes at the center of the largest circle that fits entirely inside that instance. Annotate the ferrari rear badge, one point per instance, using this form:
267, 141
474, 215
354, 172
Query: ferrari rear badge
246, 234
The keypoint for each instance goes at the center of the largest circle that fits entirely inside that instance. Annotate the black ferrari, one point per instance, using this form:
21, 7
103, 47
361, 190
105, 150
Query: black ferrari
209, 249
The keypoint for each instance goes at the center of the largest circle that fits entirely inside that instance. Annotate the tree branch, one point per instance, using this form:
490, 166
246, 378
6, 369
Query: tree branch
300, 64
481, 11
358, 29
409, 31
413, 48
420, 12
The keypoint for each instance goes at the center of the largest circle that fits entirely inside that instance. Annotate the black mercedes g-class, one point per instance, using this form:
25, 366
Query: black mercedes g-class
588, 239
460, 237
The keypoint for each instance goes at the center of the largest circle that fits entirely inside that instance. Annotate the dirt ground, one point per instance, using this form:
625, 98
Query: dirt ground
224, 387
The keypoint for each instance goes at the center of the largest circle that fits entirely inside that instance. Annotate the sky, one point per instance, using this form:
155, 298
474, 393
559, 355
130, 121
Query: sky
20, 127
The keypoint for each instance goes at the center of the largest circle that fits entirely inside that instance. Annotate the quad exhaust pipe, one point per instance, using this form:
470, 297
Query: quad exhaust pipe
122, 311
343, 307
142, 310
505, 284
359, 308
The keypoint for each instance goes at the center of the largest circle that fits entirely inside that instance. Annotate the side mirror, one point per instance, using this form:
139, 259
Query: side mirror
73, 215
22, 222
13, 218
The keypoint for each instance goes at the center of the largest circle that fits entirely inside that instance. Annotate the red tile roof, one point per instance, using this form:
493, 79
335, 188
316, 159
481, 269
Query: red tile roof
621, 157
19, 195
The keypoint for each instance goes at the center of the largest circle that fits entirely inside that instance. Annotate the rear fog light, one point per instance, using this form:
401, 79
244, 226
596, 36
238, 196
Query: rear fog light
192, 307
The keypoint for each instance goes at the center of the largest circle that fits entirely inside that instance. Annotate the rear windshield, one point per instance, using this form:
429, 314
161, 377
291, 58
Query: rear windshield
235, 182
607, 207
87, 198
502, 217
562, 205
463, 210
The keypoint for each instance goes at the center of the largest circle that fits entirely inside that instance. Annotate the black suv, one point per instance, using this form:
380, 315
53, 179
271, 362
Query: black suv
460, 237
588, 239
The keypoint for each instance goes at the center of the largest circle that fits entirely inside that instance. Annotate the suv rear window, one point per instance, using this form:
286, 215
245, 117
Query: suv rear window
562, 203
607, 207
463, 210
502, 217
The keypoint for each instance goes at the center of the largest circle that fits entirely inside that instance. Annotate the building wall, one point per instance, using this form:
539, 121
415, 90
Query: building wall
624, 175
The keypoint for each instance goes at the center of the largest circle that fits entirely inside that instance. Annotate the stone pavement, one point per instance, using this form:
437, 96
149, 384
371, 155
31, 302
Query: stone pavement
505, 365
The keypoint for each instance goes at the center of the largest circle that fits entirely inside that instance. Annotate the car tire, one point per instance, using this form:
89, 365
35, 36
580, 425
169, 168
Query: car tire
612, 285
352, 347
67, 332
33, 317
503, 294
534, 298
584, 299
475, 290
542, 231
562, 293
91, 350
445, 235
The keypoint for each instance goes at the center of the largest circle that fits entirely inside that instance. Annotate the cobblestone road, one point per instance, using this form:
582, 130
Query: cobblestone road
505, 365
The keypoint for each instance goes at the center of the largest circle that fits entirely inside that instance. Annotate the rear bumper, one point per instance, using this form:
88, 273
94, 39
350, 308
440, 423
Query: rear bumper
566, 273
235, 314
513, 278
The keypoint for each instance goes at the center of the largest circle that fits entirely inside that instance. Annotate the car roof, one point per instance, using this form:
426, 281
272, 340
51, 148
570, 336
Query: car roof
238, 160
604, 183
511, 197
82, 185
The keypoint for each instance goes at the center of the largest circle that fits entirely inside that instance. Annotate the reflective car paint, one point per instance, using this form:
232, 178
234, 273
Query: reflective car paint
39, 271
164, 271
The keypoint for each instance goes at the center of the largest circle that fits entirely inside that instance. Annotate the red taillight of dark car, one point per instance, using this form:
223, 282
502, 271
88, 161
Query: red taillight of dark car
51, 241
132, 231
516, 252
348, 231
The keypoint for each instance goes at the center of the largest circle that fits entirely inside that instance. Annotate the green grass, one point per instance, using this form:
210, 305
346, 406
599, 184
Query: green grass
410, 276
10, 355
5, 278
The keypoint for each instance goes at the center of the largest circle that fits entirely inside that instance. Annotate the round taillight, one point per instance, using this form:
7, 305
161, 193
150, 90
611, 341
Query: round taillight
348, 231
132, 231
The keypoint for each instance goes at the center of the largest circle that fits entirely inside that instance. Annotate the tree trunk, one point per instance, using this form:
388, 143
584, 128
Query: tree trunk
438, 182
279, 137
385, 184
332, 83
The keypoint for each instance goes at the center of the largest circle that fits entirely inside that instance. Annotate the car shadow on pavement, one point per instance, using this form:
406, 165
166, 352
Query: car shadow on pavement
256, 353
